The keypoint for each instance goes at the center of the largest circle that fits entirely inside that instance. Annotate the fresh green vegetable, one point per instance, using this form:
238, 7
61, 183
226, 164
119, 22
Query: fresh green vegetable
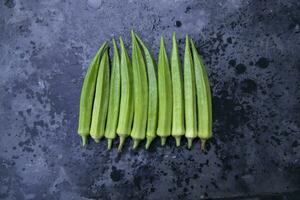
153, 95
126, 103
114, 98
189, 95
101, 100
203, 98
140, 89
164, 95
178, 103
141, 100
87, 95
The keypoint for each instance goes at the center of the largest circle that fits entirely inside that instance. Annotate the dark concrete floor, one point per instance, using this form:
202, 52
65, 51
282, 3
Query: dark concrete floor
251, 50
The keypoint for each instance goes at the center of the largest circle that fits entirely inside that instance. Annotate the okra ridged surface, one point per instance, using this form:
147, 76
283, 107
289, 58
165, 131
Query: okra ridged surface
87, 95
204, 103
178, 129
126, 102
114, 98
101, 100
164, 95
189, 95
140, 91
152, 95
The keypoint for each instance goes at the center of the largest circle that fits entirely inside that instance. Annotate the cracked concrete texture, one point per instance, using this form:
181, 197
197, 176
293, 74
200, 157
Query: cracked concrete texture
250, 50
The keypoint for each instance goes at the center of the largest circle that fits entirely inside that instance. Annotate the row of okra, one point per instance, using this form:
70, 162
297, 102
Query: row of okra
138, 98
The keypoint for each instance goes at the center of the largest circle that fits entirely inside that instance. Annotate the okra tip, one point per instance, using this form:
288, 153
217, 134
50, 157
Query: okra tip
162, 41
177, 140
114, 42
132, 32
203, 142
190, 142
135, 143
97, 140
84, 140
109, 143
121, 42
149, 141
187, 41
163, 141
192, 42
174, 36
133, 37
121, 143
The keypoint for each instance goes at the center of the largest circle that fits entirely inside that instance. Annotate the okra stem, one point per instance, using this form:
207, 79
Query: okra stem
190, 95
152, 95
126, 102
87, 95
114, 98
178, 101
164, 95
101, 100
203, 98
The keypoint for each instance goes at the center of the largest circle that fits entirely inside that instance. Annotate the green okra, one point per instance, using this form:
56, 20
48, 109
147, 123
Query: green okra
87, 95
126, 102
189, 95
101, 100
178, 129
203, 98
140, 93
164, 95
114, 98
152, 95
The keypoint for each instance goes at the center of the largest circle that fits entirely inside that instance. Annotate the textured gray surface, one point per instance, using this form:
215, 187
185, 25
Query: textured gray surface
251, 50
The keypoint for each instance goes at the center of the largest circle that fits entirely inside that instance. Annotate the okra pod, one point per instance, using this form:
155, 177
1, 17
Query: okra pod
164, 95
189, 95
126, 102
178, 101
87, 95
101, 100
152, 95
203, 98
114, 98
140, 96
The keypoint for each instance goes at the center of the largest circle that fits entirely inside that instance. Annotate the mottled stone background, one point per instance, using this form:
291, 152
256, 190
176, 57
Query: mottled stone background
251, 50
